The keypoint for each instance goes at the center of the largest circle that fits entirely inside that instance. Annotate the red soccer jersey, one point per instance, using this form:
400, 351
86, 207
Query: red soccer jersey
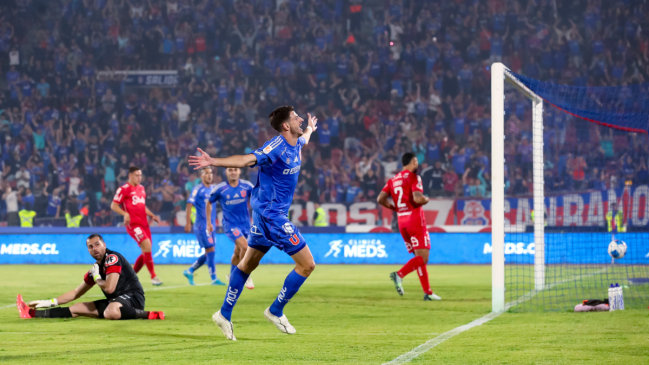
401, 188
132, 199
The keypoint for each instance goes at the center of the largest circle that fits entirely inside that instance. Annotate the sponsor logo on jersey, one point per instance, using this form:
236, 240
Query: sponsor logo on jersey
227, 196
234, 201
292, 171
236, 195
111, 260
357, 248
258, 152
397, 182
179, 248
137, 200
295, 159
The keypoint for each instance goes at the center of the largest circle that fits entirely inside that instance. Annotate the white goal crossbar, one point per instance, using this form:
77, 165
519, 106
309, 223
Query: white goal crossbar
500, 74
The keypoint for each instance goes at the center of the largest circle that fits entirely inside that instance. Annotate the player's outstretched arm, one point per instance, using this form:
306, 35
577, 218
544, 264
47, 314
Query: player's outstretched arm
204, 160
208, 216
73, 294
311, 127
383, 200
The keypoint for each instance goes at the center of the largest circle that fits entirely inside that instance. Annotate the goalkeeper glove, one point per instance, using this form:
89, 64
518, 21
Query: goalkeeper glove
44, 303
94, 272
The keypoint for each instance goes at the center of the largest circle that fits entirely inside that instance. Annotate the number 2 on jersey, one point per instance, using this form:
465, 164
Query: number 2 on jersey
399, 190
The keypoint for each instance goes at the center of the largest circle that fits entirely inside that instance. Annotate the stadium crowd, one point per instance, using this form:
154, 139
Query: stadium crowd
383, 77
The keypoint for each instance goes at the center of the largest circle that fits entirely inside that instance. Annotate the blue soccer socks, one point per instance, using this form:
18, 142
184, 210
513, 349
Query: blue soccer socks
197, 264
232, 268
292, 284
210, 264
235, 286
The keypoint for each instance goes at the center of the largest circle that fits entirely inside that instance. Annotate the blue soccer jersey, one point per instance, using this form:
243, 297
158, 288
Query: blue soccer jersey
199, 198
279, 168
234, 204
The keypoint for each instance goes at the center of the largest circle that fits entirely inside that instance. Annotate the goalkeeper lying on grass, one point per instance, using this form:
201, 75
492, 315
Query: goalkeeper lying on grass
114, 276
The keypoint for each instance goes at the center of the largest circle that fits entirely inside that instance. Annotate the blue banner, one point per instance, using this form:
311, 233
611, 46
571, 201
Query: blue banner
346, 248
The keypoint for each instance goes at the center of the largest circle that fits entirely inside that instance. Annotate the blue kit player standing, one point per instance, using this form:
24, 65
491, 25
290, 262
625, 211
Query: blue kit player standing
233, 195
206, 239
279, 163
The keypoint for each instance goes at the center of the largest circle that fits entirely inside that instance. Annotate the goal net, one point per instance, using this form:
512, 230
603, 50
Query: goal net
569, 175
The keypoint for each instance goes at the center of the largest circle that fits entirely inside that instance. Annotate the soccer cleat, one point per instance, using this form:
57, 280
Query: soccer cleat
189, 276
218, 282
280, 322
398, 282
23, 309
156, 282
249, 283
156, 315
227, 278
226, 326
431, 297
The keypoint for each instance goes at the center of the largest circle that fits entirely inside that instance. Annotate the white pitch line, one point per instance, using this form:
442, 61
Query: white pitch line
423, 348
152, 289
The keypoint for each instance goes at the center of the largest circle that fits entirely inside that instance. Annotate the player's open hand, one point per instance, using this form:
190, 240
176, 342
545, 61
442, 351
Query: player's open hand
312, 121
201, 161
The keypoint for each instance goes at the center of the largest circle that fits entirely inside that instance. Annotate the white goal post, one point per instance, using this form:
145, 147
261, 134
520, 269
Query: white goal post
500, 74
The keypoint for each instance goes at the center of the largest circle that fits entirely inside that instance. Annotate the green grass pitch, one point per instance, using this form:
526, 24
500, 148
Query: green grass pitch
343, 314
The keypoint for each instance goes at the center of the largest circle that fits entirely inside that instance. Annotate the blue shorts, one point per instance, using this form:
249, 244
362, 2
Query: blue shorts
279, 232
234, 232
205, 239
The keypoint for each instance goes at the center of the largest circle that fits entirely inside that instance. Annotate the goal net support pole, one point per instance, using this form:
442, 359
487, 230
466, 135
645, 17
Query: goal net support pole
500, 74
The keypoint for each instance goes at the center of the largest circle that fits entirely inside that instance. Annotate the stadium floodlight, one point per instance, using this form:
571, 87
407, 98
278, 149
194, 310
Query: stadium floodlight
560, 258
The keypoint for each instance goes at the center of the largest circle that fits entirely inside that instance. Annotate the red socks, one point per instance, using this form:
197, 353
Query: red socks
148, 261
144, 259
417, 263
422, 271
138, 263
411, 266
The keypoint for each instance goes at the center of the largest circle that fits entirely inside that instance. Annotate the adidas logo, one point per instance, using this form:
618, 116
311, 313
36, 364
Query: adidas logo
236, 195
295, 159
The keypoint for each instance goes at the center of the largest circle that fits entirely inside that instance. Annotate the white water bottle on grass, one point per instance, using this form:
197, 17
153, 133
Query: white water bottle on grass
612, 298
620, 297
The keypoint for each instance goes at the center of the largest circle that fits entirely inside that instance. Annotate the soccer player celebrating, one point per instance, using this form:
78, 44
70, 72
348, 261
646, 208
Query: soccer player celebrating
202, 228
129, 202
406, 190
279, 163
236, 219
116, 279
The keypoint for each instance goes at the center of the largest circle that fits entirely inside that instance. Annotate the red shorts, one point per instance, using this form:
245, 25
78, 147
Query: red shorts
414, 233
139, 233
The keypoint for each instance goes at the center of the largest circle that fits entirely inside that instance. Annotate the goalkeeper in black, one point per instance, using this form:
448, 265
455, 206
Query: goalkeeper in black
116, 279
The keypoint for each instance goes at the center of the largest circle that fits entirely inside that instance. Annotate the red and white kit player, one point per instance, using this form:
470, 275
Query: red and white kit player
130, 201
406, 191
